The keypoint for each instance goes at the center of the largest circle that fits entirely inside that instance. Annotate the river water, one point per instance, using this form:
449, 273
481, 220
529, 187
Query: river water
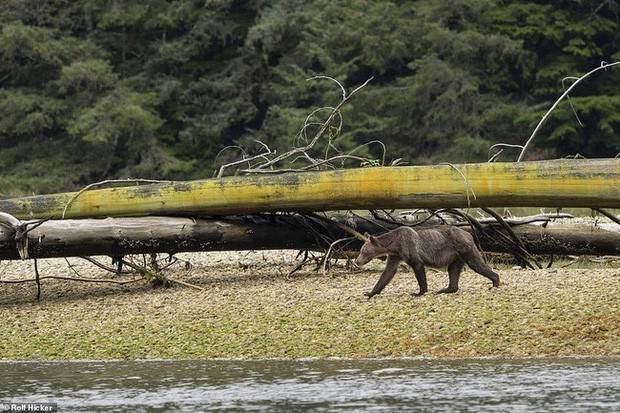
485, 385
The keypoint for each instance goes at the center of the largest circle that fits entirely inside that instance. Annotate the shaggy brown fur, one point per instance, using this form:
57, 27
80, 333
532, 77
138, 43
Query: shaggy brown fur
436, 247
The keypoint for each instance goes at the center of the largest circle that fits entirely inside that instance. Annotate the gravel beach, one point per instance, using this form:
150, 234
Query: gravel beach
251, 308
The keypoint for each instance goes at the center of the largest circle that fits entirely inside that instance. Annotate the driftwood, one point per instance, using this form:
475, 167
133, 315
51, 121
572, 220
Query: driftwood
560, 183
117, 237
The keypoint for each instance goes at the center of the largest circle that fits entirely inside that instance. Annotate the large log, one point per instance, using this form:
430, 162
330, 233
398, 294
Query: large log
558, 183
122, 236
143, 235
575, 239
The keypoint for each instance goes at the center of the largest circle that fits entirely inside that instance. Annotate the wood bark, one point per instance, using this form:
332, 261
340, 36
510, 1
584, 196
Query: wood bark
559, 183
123, 236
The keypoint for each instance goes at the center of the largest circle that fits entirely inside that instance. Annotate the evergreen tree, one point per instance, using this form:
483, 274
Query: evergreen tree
98, 89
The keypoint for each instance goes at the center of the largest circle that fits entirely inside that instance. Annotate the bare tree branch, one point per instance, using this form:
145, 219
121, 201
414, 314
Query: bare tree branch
330, 127
603, 66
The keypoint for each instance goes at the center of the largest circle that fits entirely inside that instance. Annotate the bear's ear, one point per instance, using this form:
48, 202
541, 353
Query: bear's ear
373, 240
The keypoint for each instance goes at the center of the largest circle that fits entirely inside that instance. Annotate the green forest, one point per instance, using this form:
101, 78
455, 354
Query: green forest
112, 89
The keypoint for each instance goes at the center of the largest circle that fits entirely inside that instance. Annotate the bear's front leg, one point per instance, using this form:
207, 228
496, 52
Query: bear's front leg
420, 276
386, 276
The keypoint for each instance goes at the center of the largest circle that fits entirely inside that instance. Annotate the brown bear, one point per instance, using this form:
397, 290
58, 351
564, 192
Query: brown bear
436, 247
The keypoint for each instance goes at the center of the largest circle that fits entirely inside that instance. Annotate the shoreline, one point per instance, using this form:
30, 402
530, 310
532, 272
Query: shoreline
251, 310
615, 358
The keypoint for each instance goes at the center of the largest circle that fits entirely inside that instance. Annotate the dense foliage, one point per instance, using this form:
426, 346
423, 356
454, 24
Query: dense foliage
97, 89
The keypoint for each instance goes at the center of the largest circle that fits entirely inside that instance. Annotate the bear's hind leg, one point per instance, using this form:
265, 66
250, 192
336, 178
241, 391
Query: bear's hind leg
477, 263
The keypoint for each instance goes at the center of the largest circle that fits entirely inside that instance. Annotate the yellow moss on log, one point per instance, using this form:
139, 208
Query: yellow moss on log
557, 183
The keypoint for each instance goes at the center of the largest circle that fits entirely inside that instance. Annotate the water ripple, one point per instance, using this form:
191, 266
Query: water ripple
553, 385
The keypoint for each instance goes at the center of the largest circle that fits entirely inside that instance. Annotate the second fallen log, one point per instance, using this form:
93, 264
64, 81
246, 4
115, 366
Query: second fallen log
123, 236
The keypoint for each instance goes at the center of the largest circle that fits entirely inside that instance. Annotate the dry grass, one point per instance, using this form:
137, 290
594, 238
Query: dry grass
250, 308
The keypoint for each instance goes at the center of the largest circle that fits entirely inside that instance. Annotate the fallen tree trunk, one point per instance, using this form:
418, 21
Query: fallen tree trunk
559, 183
576, 239
123, 236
